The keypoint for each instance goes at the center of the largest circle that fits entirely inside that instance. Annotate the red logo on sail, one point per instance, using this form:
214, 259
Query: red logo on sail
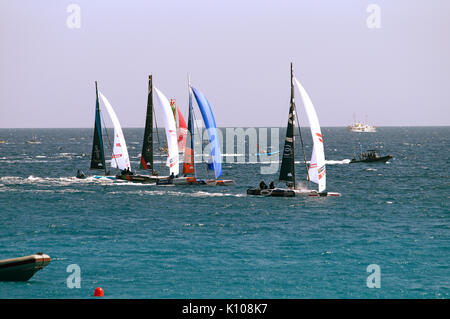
321, 172
320, 137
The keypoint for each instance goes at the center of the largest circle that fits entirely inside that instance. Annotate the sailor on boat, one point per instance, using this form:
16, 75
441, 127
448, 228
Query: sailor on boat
262, 185
271, 185
80, 174
126, 171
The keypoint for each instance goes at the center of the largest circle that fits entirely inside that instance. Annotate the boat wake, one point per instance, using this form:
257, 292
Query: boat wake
63, 181
333, 162
164, 191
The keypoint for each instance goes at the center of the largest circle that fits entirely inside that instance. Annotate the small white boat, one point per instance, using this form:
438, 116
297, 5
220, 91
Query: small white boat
22, 268
33, 140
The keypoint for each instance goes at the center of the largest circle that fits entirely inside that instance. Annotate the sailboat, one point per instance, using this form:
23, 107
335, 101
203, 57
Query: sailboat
119, 158
215, 160
316, 172
146, 162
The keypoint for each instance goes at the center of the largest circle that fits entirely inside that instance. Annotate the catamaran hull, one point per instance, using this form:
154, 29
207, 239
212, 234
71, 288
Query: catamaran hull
142, 179
22, 268
285, 192
278, 192
188, 181
196, 181
253, 191
220, 182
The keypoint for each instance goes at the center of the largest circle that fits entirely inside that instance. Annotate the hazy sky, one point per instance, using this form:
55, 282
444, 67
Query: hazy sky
237, 53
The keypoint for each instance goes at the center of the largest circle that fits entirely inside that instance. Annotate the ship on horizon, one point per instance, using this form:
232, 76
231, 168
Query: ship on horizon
361, 127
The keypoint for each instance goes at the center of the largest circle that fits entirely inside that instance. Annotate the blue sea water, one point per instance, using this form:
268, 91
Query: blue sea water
146, 241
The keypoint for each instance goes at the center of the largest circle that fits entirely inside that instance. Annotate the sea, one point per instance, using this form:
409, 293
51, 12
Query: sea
387, 236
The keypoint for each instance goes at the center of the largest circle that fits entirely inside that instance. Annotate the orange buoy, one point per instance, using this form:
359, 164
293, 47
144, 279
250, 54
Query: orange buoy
98, 292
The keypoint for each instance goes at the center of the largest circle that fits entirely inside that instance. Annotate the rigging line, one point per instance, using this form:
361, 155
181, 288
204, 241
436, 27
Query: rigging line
301, 140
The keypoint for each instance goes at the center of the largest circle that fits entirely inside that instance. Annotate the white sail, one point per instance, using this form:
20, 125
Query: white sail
171, 133
316, 172
120, 156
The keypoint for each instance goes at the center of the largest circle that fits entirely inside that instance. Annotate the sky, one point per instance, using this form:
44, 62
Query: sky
387, 63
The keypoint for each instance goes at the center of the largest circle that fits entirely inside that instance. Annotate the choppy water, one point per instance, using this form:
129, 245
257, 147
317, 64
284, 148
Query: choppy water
144, 241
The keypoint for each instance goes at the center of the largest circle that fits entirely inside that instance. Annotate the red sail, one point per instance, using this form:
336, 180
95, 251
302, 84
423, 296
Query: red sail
182, 132
188, 166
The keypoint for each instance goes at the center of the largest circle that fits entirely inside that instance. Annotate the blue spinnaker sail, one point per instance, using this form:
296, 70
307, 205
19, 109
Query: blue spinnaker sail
210, 124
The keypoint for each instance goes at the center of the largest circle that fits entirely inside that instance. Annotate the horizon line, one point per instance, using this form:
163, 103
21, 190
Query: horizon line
142, 127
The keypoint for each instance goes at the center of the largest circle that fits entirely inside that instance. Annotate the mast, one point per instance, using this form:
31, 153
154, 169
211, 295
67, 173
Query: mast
189, 162
98, 153
191, 126
147, 146
294, 113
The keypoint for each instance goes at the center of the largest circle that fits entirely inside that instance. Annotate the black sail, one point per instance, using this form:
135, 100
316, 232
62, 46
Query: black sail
147, 146
287, 172
98, 154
